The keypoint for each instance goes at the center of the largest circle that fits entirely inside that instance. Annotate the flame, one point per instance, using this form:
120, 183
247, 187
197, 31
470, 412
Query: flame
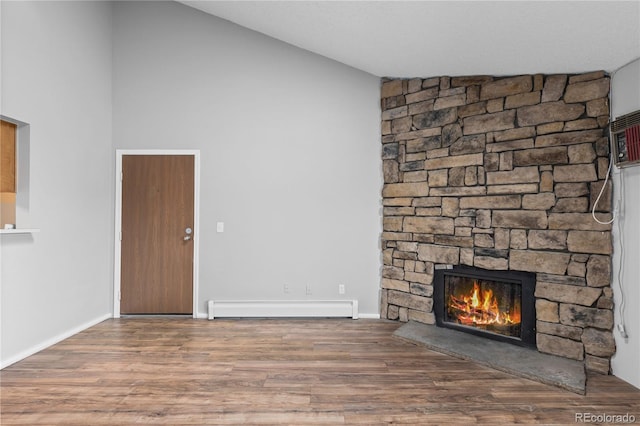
481, 308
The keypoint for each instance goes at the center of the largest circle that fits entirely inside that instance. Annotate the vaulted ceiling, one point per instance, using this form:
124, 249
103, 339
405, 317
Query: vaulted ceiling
429, 38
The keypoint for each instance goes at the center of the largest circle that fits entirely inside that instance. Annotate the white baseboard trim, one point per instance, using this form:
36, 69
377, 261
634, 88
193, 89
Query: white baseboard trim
283, 308
52, 341
369, 316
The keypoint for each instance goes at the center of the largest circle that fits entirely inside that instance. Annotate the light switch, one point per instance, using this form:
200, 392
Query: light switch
220, 227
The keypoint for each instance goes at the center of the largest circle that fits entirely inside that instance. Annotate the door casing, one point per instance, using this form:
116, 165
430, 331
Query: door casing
118, 221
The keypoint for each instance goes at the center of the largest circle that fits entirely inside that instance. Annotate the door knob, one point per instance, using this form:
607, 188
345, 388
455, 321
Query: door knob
187, 232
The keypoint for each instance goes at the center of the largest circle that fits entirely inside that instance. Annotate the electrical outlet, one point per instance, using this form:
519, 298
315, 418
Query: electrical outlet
308, 290
341, 288
285, 288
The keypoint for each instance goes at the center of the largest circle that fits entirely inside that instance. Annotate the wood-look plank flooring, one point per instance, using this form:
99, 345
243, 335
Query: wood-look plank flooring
287, 371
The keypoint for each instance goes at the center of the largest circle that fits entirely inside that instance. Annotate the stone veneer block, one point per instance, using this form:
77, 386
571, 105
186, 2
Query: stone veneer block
548, 112
392, 284
435, 118
568, 138
523, 99
455, 161
522, 188
547, 240
589, 242
585, 296
514, 134
396, 236
458, 191
582, 124
439, 254
391, 88
450, 101
506, 86
581, 153
539, 261
569, 205
581, 316
598, 342
416, 189
539, 156
575, 173
421, 316
429, 225
491, 263
423, 95
468, 145
489, 122
524, 219
593, 75
599, 271
397, 112
597, 365
392, 224
517, 175
587, 90
554, 87
573, 333
472, 109
542, 201
510, 145
410, 301
569, 190
598, 107
415, 134
555, 345
418, 277
547, 311
577, 221
473, 80
421, 289
488, 202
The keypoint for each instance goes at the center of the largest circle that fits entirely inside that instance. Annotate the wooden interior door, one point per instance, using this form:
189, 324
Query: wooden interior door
157, 247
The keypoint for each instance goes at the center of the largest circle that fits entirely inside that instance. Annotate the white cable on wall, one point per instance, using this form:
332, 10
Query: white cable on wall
604, 185
616, 213
621, 308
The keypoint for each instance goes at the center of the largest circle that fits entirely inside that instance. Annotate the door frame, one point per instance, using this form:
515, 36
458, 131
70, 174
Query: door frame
117, 261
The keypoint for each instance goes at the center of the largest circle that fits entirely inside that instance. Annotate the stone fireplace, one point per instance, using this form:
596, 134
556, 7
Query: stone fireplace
501, 174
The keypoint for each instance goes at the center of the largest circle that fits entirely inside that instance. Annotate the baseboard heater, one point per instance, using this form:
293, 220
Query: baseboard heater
282, 308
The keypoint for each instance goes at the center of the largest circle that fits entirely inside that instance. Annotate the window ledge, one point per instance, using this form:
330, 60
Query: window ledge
19, 231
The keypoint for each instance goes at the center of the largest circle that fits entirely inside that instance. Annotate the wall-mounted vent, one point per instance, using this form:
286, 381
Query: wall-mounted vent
625, 139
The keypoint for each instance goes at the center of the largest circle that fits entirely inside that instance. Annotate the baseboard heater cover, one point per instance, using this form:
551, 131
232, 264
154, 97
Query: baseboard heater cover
282, 308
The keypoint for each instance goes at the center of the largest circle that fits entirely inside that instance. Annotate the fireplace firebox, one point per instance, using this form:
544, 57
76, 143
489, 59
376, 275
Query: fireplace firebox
499, 305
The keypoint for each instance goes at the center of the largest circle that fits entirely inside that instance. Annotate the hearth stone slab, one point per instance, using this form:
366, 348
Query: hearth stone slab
519, 361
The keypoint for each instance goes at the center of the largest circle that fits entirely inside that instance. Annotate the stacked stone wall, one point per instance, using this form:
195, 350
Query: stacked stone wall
501, 173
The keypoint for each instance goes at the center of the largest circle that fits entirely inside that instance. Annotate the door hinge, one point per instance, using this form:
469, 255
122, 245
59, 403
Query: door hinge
121, 176
120, 235
119, 296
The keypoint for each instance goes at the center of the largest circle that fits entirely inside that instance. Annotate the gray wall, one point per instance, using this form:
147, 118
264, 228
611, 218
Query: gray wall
56, 75
625, 98
289, 154
289, 151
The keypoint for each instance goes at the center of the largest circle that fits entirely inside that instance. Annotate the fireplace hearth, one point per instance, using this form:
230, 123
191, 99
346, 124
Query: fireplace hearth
499, 305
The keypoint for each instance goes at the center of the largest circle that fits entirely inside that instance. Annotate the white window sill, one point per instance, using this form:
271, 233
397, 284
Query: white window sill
19, 231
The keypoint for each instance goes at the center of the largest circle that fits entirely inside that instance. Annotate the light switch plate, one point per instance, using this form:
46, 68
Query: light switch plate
220, 227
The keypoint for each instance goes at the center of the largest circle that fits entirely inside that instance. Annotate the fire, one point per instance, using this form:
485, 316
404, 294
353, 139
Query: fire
481, 308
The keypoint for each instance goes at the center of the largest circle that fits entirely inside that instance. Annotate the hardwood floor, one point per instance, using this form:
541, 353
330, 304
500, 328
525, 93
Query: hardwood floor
329, 371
